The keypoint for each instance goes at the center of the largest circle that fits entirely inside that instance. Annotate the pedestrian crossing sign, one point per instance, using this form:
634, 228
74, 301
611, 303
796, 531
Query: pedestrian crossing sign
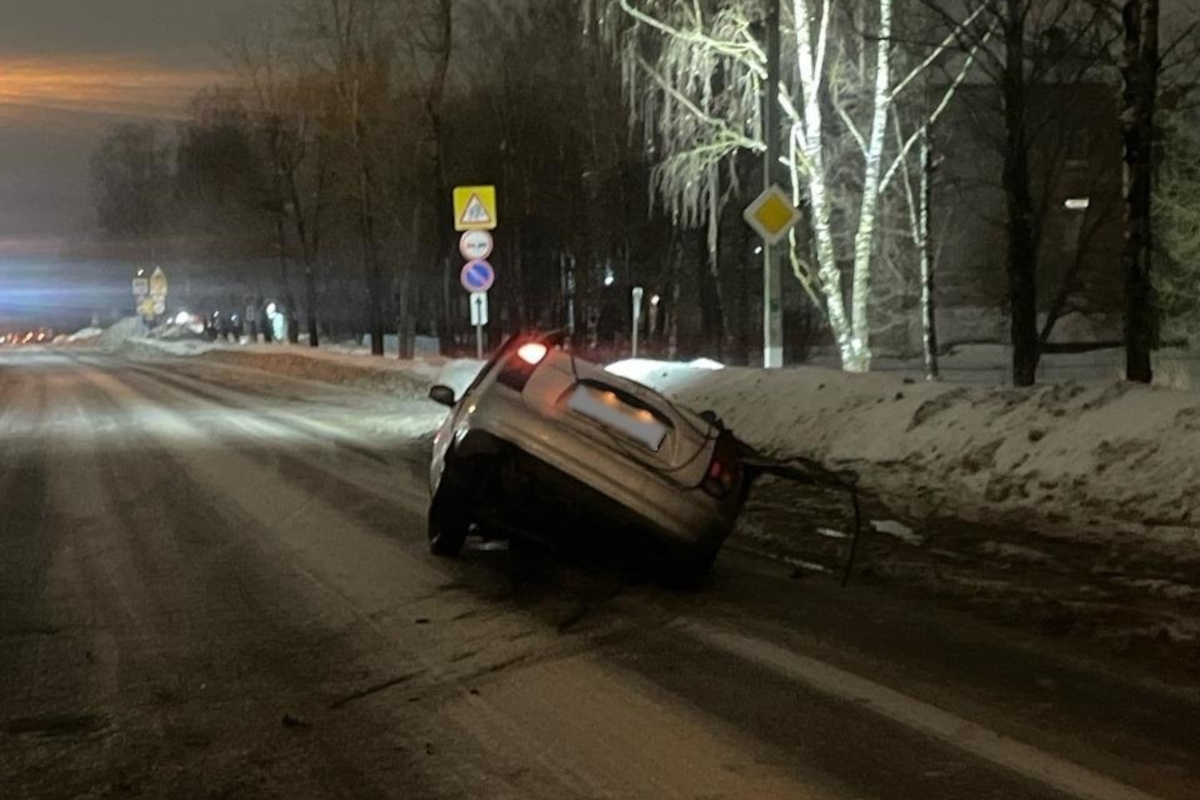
474, 208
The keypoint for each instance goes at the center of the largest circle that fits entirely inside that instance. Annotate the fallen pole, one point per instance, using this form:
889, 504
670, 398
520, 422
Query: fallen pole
810, 473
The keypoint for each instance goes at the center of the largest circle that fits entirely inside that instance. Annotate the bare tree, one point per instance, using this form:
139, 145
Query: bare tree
131, 184
1035, 43
221, 220
1140, 67
430, 43
288, 100
695, 73
1177, 228
358, 59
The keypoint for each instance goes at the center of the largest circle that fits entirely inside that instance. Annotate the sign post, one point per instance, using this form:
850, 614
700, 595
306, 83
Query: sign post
479, 318
475, 245
158, 284
477, 277
475, 216
638, 291
156, 303
474, 208
772, 215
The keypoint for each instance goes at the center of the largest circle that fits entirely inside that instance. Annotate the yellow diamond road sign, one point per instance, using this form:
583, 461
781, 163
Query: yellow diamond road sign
158, 284
772, 215
474, 208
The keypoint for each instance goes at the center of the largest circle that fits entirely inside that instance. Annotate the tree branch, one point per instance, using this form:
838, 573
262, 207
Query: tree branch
937, 112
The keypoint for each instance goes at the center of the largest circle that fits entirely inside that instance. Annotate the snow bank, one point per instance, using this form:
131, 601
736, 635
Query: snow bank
985, 364
122, 332
343, 366
1110, 459
85, 335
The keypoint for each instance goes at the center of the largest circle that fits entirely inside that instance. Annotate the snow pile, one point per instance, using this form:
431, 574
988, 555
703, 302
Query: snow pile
410, 378
120, 333
85, 335
172, 331
1109, 459
342, 366
987, 364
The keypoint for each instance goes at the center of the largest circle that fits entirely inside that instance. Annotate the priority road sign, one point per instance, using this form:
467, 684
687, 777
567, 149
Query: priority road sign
474, 208
158, 284
477, 276
475, 245
772, 215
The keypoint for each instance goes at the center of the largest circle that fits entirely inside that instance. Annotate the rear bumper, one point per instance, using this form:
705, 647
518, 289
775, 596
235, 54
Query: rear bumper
686, 520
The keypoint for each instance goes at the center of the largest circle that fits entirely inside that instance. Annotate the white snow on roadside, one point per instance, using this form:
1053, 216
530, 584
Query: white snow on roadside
1107, 460
340, 365
1014, 552
120, 333
1166, 588
901, 531
85, 335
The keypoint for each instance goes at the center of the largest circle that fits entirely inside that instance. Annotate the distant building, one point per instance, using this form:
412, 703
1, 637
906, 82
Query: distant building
1075, 164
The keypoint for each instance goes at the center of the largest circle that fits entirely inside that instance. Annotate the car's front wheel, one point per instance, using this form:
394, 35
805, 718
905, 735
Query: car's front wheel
449, 514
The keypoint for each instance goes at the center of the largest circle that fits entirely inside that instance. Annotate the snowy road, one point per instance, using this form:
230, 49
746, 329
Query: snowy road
214, 584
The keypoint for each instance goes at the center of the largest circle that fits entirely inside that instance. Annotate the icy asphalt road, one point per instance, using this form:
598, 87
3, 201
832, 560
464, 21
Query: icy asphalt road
214, 584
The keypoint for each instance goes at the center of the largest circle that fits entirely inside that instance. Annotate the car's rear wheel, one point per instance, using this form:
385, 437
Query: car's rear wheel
450, 514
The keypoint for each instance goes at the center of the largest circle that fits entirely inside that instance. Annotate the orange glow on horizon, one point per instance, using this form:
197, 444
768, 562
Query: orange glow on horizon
101, 85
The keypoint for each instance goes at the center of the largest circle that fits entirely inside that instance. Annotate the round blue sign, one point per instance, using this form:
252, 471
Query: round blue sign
478, 276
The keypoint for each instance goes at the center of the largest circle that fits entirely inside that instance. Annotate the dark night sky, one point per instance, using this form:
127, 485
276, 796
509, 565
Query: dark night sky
70, 69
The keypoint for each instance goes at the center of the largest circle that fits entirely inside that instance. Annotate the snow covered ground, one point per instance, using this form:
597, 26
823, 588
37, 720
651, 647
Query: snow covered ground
345, 365
991, 365
1091, 457
1066, 506
1109, 460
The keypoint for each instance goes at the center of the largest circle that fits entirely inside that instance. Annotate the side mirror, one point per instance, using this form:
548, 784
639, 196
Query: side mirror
442, 395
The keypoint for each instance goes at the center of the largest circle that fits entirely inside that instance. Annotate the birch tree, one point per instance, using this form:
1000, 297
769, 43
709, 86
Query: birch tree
694, 72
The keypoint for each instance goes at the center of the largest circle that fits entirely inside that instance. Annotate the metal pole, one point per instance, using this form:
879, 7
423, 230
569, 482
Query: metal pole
638, 291
570, 265
772, 283
479, 328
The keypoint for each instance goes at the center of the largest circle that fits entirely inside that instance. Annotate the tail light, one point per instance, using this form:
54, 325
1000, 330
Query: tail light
521, 365
725, 470
532, 353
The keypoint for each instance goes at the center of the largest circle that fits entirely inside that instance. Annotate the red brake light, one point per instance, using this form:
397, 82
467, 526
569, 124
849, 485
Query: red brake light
520, 366
532, 353
724, 470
